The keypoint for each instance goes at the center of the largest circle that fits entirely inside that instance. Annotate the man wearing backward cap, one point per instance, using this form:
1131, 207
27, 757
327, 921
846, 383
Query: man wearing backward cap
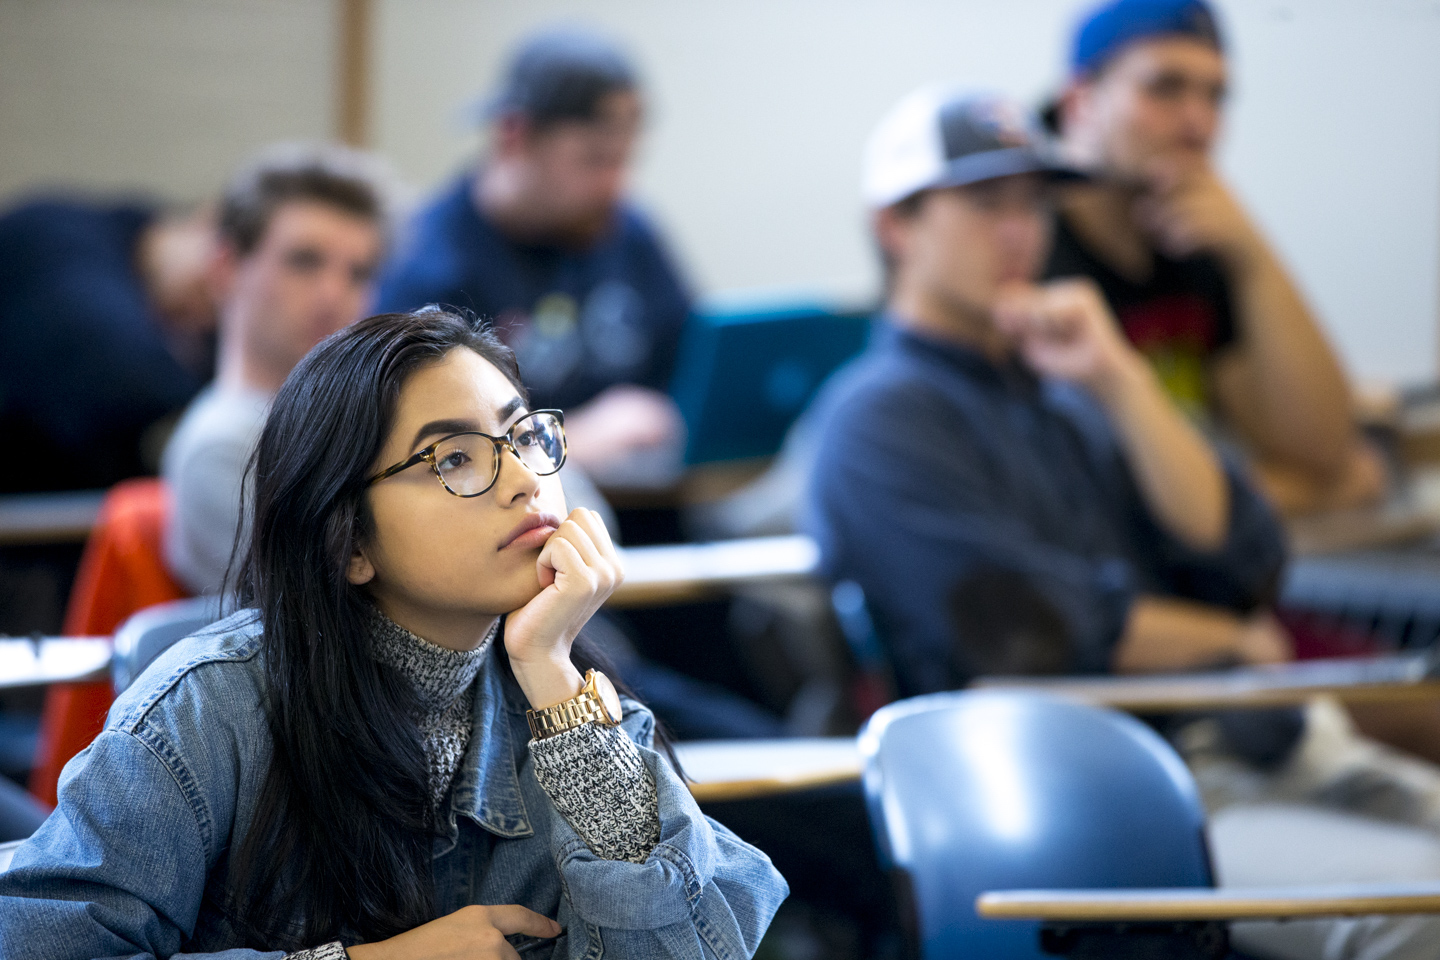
1191, 279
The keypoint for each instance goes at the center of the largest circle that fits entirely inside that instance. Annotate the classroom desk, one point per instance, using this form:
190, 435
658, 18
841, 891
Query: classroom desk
33, 518
687, 572
701, 483
1382, 679
1201, 903
744, 769
33, 663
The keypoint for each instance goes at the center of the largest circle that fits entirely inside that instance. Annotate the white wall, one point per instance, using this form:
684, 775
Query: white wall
160, 96
761, 108
759, 111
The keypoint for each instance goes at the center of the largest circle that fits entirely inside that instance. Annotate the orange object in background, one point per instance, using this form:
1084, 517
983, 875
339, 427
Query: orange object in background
121, 571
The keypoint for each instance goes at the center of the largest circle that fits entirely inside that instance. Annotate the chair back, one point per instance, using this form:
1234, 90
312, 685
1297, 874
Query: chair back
149, 633
969, 792
122, 570
123, 567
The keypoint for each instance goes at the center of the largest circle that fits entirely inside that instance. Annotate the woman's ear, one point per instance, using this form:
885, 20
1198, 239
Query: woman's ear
360, 570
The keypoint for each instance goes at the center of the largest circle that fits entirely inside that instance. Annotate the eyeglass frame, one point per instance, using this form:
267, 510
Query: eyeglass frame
427, 455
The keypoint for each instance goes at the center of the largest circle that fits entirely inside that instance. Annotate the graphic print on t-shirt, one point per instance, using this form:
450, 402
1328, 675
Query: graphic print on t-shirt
1179, 317
1177, 333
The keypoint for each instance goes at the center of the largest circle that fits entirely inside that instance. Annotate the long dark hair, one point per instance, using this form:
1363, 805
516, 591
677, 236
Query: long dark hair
341, 835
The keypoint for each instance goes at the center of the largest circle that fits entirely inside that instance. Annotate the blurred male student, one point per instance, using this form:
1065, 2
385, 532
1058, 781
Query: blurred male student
1004, 476
1002, 450
106, 328
539, 237
1193, 283
302, 228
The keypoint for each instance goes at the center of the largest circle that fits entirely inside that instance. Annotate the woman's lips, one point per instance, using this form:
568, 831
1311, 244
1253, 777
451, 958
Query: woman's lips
532, 532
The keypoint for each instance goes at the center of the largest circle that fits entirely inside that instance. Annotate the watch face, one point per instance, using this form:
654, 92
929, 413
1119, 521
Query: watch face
608, 697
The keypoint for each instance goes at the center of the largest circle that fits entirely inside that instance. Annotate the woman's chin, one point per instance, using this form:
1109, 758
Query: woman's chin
519, 594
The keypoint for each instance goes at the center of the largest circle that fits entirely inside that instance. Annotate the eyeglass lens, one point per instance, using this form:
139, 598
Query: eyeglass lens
467, 463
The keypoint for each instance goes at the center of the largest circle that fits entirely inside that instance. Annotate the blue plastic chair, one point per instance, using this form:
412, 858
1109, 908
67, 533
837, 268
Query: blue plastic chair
971, 792
150, 632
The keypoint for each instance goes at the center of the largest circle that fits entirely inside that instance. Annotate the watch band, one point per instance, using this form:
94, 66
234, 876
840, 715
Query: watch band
575, 712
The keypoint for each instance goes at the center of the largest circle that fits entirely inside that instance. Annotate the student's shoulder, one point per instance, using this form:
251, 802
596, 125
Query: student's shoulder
217, 422
217, 669
44, 215
637, 232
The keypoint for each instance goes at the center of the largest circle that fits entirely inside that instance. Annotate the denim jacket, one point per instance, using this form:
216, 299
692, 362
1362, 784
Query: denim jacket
133, 860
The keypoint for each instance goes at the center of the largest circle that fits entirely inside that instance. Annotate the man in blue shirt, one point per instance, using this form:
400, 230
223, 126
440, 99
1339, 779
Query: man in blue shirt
539, 238
1003, 474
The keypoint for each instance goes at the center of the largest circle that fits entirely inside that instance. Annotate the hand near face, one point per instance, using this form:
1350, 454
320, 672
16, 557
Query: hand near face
1190, 210
1065, 330
578, 569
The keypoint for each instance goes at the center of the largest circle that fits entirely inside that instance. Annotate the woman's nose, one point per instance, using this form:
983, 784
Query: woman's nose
525, 483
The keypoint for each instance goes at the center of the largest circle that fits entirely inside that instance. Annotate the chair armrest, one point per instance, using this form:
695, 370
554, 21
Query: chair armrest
1353, 680
31, 518
33, 663
745, 769
1203, 903
685, 572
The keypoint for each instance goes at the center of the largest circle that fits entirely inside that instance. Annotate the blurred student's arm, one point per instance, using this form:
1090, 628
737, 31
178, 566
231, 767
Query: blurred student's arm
1163, 634
1282, 387
1065, 330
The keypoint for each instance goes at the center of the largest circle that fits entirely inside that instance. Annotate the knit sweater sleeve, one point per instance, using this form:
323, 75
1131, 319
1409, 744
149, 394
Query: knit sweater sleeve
333, 950
598, 781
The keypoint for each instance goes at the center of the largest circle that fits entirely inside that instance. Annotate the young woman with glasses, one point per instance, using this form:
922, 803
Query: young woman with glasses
402, 747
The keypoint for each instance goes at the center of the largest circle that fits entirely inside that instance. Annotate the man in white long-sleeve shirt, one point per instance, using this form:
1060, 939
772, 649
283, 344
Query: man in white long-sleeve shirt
302, 231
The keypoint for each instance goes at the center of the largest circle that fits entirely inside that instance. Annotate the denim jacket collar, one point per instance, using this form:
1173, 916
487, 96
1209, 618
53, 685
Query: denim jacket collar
487, 786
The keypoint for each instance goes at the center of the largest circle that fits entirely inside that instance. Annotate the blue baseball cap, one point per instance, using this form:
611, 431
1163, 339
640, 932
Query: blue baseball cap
1104, 31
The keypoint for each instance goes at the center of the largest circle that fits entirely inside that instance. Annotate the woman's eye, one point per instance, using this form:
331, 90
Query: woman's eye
526, 439
453, 460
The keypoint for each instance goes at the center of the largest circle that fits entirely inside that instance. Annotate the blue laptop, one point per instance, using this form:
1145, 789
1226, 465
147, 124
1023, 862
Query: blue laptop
744, 375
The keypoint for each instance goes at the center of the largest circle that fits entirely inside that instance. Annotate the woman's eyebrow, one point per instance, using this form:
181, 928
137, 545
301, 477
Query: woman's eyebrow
459, 425
513, 406
443, 427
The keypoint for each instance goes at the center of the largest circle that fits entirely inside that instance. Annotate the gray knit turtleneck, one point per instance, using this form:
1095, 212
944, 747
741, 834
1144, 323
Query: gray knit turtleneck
444, 683
594, 775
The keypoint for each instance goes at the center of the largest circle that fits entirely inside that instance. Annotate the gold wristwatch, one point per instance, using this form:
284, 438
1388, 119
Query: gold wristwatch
596, 703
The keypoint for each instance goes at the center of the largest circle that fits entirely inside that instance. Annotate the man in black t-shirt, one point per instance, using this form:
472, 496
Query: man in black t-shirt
1188, 275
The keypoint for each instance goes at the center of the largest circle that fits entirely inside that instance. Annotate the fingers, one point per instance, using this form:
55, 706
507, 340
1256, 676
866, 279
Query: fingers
511, 918
577, 536
561, 558
591, 523
586, 532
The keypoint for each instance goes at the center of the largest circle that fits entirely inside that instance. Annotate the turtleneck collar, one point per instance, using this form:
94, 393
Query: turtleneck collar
440, 675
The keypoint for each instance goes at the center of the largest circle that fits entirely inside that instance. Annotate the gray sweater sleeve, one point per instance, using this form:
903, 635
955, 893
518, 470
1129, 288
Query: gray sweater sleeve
330, 951
598, 781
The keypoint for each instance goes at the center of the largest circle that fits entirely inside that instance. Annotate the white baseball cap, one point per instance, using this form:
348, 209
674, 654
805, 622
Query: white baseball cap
945, 137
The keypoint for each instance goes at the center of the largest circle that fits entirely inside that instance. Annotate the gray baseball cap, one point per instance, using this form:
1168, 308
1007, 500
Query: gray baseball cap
943, 137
